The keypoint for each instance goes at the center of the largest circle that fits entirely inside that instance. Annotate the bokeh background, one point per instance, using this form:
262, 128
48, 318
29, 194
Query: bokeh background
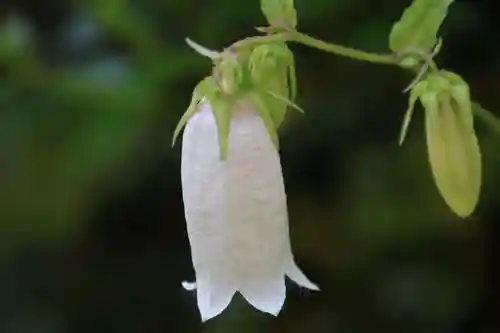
92, 232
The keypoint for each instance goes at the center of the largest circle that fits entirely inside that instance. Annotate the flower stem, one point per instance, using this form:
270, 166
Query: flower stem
258, 40
386, 59
487, 117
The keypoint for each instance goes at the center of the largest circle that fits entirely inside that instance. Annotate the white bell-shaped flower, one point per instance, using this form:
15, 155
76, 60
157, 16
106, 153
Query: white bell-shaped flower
236, 214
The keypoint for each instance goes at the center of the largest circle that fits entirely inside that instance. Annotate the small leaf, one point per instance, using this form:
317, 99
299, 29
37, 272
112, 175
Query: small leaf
419, 25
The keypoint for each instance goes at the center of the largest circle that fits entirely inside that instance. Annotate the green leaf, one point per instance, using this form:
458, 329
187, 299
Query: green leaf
205, 88
266, 114
418, 27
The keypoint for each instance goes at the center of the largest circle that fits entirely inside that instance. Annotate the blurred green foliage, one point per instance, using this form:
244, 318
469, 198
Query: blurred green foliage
92, 233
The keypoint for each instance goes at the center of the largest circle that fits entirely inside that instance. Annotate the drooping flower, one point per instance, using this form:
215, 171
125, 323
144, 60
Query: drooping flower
236, 212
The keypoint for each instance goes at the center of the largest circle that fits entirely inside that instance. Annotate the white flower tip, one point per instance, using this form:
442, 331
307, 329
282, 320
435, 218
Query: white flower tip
307, 284
298, 277
213, 298
205, 316
312, 286
267, 296
210, 308
189, 286
208, 312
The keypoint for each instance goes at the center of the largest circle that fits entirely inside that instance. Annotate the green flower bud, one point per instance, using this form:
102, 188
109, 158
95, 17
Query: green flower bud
453, 149
272, 69
279, 13
418, 27
229, 72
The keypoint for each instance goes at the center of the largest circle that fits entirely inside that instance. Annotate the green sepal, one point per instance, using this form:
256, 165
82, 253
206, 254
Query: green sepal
271, 99
204, 89
292, 76
419, 25
202, 50
414, 95
222, 109
279, 13
286, 101
266, 114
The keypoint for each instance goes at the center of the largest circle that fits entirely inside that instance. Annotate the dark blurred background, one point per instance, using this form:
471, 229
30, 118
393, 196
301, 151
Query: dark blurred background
92, 231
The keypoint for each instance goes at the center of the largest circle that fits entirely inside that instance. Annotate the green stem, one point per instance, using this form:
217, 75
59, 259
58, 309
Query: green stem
258, 40
487, 117
386, 59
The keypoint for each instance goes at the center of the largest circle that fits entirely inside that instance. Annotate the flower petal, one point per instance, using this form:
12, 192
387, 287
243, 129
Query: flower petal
189, 286
203, 192
213, 296
256, 199
299, 277
266, 294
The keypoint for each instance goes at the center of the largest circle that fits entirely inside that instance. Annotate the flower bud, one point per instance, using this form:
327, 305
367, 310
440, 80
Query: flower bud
272, 69
453, 149
229, 73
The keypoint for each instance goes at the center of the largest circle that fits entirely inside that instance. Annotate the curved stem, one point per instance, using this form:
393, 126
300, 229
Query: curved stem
385, 59
487, 117
258, 40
